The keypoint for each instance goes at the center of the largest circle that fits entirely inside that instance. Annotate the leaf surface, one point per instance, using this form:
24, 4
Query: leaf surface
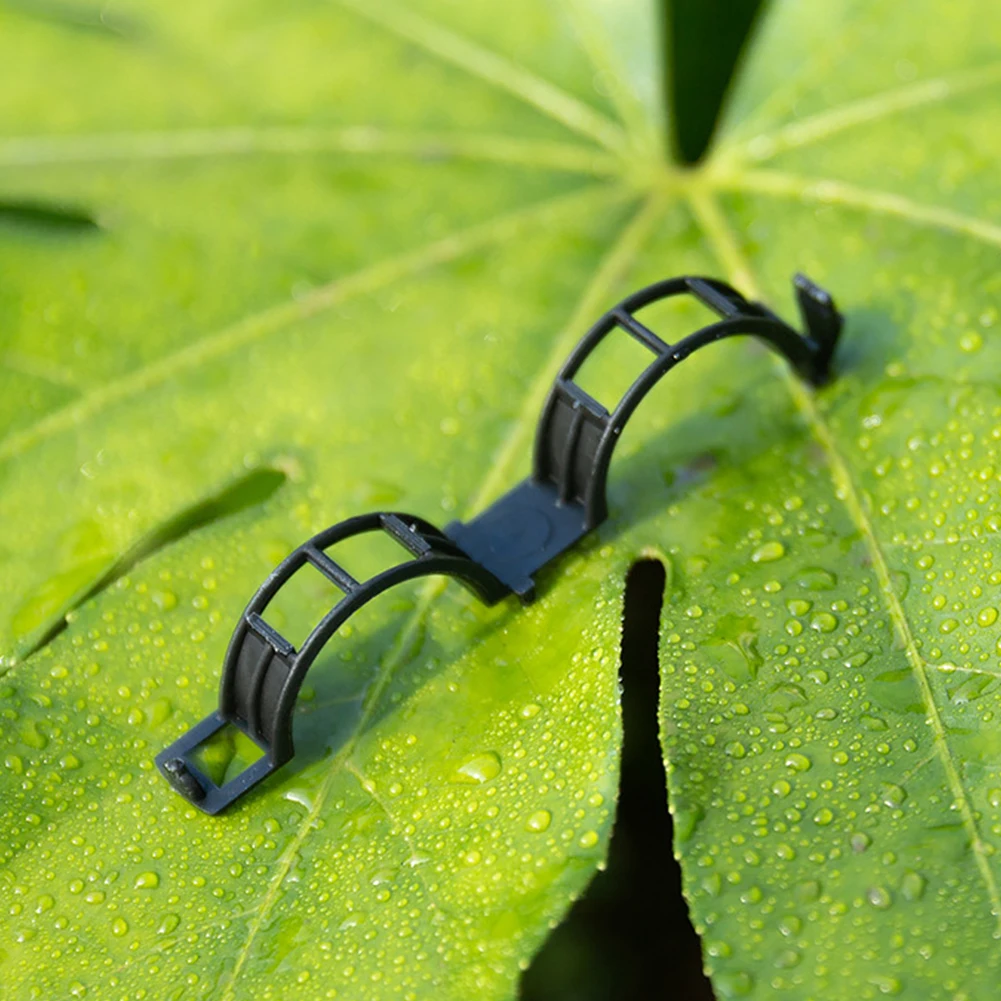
267, 269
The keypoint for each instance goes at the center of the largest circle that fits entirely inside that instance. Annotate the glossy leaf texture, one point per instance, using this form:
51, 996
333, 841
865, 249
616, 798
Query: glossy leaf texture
266, 268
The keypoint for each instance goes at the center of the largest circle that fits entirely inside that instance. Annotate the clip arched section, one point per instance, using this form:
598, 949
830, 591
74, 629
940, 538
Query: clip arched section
576, 435
263, 672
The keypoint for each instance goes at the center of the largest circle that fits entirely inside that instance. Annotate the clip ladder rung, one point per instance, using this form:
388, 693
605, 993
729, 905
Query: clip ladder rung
641, 332
576, 396
716, 301
334, 572
281, 646
411, 540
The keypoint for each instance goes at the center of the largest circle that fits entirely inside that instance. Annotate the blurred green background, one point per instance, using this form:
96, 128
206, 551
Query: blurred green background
629, 937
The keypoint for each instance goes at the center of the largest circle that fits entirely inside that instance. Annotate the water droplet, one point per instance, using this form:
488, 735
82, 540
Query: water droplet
530, 710
780, 787
685, 822
167, 924
481, 768
159, 711
798, 762
873, 723
823, 817
147, 881
734, 646
886, 985
768, 552
119, 926
892, 795
970, 341
713, 884
860, 842
539, 821
824, 622
733, 983
879, 897
588, 839
971, 689
787, 959
912, 886
987, 617
817, 579
164, 600
798, 606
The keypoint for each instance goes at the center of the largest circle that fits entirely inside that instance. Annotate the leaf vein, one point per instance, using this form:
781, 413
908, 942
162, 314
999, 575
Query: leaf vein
291, 140
264, 323
816, 128
494, 69
825, 191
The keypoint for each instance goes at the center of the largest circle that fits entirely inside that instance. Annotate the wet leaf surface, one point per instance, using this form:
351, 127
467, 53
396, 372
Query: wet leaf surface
343, 248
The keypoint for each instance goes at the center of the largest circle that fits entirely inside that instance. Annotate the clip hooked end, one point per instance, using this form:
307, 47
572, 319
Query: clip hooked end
823, 324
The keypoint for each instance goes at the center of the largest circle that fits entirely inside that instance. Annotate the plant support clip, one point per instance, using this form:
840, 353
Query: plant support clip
500, 551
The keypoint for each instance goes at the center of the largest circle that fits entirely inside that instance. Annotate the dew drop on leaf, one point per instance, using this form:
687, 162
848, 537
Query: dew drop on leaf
734, 984
539, 821
798, 762
879, 897
912, 886
768, 553
480, 768
892, 795
817, 579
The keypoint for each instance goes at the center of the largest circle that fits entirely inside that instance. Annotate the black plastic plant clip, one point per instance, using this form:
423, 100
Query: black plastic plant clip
499, 552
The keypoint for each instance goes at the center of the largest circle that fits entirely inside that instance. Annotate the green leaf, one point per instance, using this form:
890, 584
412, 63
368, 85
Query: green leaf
268, 268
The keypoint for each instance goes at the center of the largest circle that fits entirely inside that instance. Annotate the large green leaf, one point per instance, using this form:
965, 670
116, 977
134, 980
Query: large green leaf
341, 248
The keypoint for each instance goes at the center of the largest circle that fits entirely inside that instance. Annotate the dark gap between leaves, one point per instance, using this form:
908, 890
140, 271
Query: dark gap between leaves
47, 216
246, 492
629, 938
705, 39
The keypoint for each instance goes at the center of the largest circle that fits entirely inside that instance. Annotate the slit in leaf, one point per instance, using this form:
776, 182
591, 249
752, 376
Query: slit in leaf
248, 491
629, 938
46, 216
